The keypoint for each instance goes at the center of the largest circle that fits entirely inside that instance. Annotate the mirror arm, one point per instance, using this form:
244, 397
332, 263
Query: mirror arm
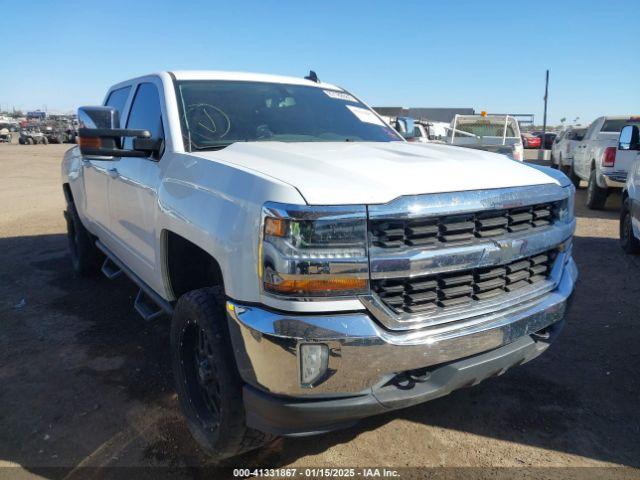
112, 133
112, 152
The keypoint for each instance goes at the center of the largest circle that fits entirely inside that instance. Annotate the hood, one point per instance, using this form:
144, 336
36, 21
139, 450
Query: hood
328, 173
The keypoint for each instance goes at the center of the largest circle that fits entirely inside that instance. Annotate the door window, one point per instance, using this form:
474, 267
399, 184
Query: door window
145, 113
118, 99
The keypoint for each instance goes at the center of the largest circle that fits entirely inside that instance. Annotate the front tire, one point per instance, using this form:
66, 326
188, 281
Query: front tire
85, 256
207, 381
596, 196
628, 241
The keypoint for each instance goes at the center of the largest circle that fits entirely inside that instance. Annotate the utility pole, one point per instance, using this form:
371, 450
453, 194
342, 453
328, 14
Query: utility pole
544, 120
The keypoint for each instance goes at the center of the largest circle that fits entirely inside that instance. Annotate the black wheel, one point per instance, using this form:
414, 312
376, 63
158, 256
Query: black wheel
21, 141
29, 141
596, 196
207, 381
553, 162
628, 241
45, 141
85, 256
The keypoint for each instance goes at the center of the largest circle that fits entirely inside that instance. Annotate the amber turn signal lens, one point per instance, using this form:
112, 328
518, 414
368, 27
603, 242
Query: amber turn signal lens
275, 227
90, 142
317, 286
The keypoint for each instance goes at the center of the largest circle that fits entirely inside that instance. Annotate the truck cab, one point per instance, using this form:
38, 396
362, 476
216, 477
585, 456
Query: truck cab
315, 267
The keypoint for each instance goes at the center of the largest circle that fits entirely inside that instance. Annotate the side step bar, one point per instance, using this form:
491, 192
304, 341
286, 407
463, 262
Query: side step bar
145, 306
110, 269
148, 303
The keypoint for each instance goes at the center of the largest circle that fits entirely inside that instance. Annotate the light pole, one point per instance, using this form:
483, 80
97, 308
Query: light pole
544, 119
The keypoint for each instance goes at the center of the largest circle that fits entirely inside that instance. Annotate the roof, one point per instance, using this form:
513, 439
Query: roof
247, 77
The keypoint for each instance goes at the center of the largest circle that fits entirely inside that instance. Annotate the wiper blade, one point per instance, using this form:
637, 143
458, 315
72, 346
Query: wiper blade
216, 146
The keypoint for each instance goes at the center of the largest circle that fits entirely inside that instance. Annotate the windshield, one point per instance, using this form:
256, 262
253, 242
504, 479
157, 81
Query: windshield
217, 113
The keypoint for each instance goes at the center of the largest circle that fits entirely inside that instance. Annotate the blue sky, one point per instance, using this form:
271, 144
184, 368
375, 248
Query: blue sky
489, 55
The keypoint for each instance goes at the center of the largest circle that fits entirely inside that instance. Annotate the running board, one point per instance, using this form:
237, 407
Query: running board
110, 269
145, 306
148, 303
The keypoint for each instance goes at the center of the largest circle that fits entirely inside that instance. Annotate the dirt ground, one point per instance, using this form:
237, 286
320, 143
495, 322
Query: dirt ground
84, 382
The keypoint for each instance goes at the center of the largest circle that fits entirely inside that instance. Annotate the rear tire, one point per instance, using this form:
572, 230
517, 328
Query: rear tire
628, 241
207, 381
85, 256
45, 141
596, 196
29, 141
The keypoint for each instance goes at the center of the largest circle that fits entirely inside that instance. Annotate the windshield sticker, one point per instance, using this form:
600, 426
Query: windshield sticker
365, 115
340, 96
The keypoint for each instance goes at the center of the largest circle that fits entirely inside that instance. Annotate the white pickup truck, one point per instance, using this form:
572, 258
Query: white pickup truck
628, 154
317, 267
493, 133
592, 165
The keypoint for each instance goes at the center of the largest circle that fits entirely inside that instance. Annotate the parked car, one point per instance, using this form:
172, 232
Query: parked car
563, 147
317, 267
530, 141
493, 133
628, 154
547, 138
590, 164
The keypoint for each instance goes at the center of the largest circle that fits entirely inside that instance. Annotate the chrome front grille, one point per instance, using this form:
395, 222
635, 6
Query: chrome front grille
436, 293
446, 258
462, 229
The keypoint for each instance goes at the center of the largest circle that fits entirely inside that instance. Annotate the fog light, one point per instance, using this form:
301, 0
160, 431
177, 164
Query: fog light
314, 359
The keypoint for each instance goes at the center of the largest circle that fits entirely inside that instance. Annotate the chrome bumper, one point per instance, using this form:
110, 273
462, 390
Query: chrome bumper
615, 179
363, 355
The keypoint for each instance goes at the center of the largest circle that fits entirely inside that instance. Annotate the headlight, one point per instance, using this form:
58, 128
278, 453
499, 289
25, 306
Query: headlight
567, 206
314, 251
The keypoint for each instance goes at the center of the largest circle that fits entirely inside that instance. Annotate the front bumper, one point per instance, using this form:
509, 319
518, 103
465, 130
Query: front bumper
364, 358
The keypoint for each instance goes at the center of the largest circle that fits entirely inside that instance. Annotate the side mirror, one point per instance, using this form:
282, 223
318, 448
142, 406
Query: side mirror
629, 138
407, 127
100, 136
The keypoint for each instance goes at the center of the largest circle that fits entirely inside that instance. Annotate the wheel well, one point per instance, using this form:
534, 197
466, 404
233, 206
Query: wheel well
189, 267
67, 192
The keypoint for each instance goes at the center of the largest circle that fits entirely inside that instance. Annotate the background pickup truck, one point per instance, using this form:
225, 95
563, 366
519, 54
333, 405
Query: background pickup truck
590, 164
492, 133
317, 268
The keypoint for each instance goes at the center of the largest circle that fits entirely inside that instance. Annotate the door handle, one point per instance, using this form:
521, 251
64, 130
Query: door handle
113, 172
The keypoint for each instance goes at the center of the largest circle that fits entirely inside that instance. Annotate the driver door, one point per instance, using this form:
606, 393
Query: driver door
133, 188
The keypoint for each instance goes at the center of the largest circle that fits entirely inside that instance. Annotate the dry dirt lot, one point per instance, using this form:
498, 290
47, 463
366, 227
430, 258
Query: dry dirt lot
84, 382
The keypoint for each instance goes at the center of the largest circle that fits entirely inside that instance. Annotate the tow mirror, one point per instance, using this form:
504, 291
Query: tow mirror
407, 127
100, 135
629, 138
